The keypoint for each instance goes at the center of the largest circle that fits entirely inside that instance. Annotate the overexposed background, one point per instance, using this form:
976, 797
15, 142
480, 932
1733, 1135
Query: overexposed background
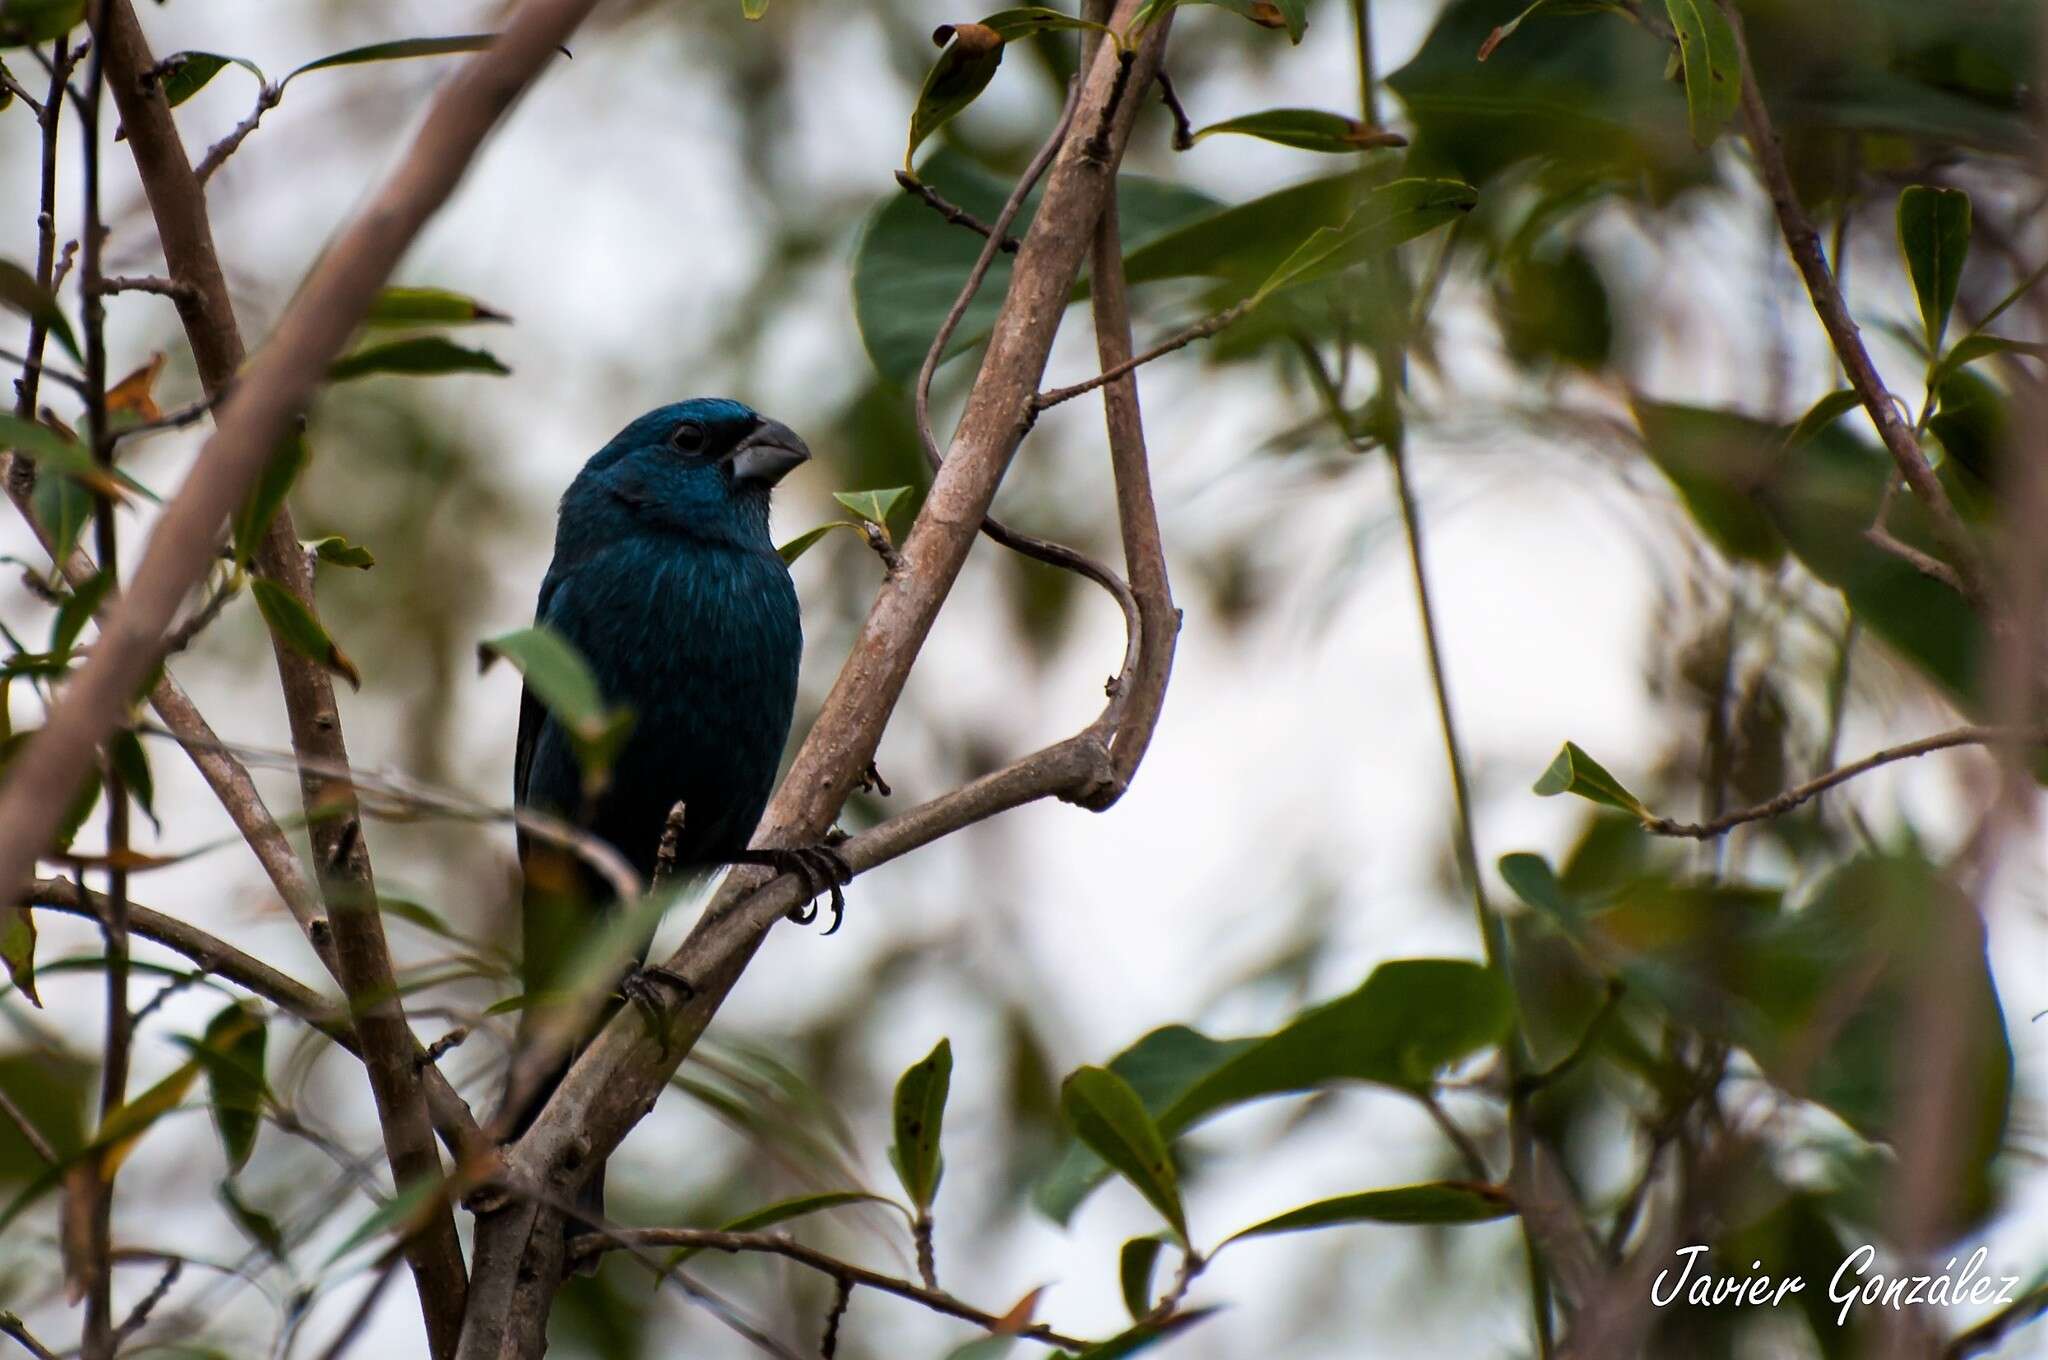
674, 212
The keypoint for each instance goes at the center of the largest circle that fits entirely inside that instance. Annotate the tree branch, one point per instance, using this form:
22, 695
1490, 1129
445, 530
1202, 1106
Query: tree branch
1807, 253
1201, 330
844, 1272
254, 420
1813, 788
222, 960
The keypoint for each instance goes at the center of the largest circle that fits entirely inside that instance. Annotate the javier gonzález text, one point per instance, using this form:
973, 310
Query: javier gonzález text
1854, 1283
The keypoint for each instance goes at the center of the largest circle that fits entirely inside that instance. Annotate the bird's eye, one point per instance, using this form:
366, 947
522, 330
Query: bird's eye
688, 437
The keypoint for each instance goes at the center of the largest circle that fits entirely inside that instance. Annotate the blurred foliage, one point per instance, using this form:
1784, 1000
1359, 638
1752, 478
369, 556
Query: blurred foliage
1535, 262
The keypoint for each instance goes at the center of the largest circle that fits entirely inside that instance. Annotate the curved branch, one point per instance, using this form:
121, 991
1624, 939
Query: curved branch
844, 1272
1813, 788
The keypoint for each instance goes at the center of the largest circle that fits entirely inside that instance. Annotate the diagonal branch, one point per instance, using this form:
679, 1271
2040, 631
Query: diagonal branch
1807, 252
1814, 788
519, 1249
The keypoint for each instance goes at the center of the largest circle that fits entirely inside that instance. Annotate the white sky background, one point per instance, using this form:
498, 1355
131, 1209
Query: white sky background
1303, 749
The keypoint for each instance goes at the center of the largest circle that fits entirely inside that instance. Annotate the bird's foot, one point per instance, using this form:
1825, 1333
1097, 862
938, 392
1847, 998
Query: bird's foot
649, 988
822, 868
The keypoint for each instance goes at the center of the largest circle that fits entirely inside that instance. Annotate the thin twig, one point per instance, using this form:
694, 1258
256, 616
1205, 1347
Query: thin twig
1804, 243
266, 100
29, 1133
952, 211
360, 1316
202, 618
139, 1314
2001, 1324
783, 1245
145, 283
927, 1259
842, 1298
1201, 330
1926, 564
1793, 797
1475, 1160
1183, 130
10, 1325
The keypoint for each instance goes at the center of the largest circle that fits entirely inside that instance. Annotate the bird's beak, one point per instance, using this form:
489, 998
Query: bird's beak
769, 454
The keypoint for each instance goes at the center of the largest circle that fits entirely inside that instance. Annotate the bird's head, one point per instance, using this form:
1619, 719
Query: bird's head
702, 467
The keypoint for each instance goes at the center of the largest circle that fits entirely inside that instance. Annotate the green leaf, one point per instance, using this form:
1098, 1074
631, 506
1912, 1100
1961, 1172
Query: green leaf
753, 9
428, 307
1134, 1267
1029, 20
396, 51
1435, 1203
1822, 414
273, 484
1507, 30
1144, 1336
184, 74
920, 1113
18, 947
77, 610
131, 763
565, 685
20, 292
1108, 1116
964, 69
1971, 348
910, 262
394, 1214
300, 629
781, 1212
1307, 130
1389, 215
23, 22
1821, 502
420, 356
342, 553
1934, 236
125, 1124
808, 539
1713, 67
1576, 772
237, 1039
1291, 15
872, 506
56, 452
1719, 462
261, 1228
1410, 1019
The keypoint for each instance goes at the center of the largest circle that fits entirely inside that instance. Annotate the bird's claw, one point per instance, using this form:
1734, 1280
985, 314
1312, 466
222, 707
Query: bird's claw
823, 870
647, 988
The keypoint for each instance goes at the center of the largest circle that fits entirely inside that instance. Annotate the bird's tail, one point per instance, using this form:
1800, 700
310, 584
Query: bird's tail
561, 904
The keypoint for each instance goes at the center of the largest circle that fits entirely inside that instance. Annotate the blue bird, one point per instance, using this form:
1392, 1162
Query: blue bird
667, 583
